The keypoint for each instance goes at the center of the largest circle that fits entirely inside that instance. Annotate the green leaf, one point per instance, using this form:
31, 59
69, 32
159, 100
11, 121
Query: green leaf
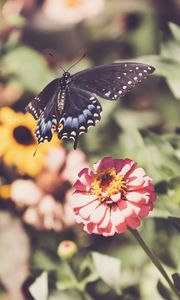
42, 261
131, 145
108, 269
129, 119
88, 273
167, 66
66, 277
175, 30
160, 158
28, 66
69, 295
39, 289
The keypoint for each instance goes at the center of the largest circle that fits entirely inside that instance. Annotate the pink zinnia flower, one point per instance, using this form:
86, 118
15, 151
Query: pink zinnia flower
113, 197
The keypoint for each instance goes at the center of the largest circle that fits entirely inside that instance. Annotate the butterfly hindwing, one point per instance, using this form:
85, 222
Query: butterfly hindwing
112, 81
47, 121
81, 111
38, 104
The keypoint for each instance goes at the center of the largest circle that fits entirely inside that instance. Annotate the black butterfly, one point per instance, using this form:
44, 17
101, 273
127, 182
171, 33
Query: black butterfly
69, 104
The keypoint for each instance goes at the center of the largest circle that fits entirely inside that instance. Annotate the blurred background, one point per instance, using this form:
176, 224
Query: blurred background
145, 126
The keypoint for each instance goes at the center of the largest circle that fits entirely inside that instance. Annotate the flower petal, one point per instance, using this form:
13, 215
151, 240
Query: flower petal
79, 186
80, 200
145, 210
110, 231
86, 176
116, 216
105, 163
106, 219
133, 222
87, 210
116, 197
134, 196
89, 228
98, 214
121, 227
135, 182
127, 211
127, 167
138, 172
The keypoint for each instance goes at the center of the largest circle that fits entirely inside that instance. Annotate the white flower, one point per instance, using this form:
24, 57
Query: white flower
69, 12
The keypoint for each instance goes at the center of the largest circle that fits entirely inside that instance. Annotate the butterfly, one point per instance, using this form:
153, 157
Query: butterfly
69, 104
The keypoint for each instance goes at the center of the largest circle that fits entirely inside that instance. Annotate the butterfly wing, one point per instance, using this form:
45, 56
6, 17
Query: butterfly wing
81, 111
112, 81
38, 104
46, 122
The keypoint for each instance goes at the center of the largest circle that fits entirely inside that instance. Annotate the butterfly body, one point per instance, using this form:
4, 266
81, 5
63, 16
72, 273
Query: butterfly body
69, 104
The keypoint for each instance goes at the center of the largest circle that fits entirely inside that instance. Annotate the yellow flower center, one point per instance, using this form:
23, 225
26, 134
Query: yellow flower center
23, 135
73, 3
107, 183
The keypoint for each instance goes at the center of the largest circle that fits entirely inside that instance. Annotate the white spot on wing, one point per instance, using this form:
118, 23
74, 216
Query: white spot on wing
73, 133
82, 128
108, 94
90, 122
96, 115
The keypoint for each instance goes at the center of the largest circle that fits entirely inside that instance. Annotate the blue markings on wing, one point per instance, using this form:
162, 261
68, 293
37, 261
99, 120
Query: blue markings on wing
44, 128
80, 120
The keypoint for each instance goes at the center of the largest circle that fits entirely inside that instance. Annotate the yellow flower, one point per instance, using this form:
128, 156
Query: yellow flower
18, 142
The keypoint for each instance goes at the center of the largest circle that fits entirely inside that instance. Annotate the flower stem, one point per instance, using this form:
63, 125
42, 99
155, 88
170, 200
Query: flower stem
154, 260
83, 294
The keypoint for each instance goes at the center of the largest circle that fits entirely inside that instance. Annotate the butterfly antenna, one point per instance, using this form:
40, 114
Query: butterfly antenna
35, 150
83, 56
50, 54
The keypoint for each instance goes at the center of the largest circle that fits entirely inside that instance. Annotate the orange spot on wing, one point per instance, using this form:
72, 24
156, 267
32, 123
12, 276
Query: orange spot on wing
60, 127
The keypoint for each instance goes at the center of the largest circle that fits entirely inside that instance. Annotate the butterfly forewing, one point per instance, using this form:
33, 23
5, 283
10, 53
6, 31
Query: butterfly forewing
69, 104
113, 81
38, 104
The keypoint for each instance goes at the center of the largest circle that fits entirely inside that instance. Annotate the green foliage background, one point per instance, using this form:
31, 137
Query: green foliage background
144, 126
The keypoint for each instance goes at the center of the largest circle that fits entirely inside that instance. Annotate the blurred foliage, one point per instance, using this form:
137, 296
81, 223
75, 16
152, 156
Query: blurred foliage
144, 126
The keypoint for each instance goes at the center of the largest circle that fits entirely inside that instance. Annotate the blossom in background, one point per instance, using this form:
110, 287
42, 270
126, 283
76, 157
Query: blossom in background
113, 197
45, 201
18, 142
68, 12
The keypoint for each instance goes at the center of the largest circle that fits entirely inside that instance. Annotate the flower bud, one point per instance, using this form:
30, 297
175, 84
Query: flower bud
66, 249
